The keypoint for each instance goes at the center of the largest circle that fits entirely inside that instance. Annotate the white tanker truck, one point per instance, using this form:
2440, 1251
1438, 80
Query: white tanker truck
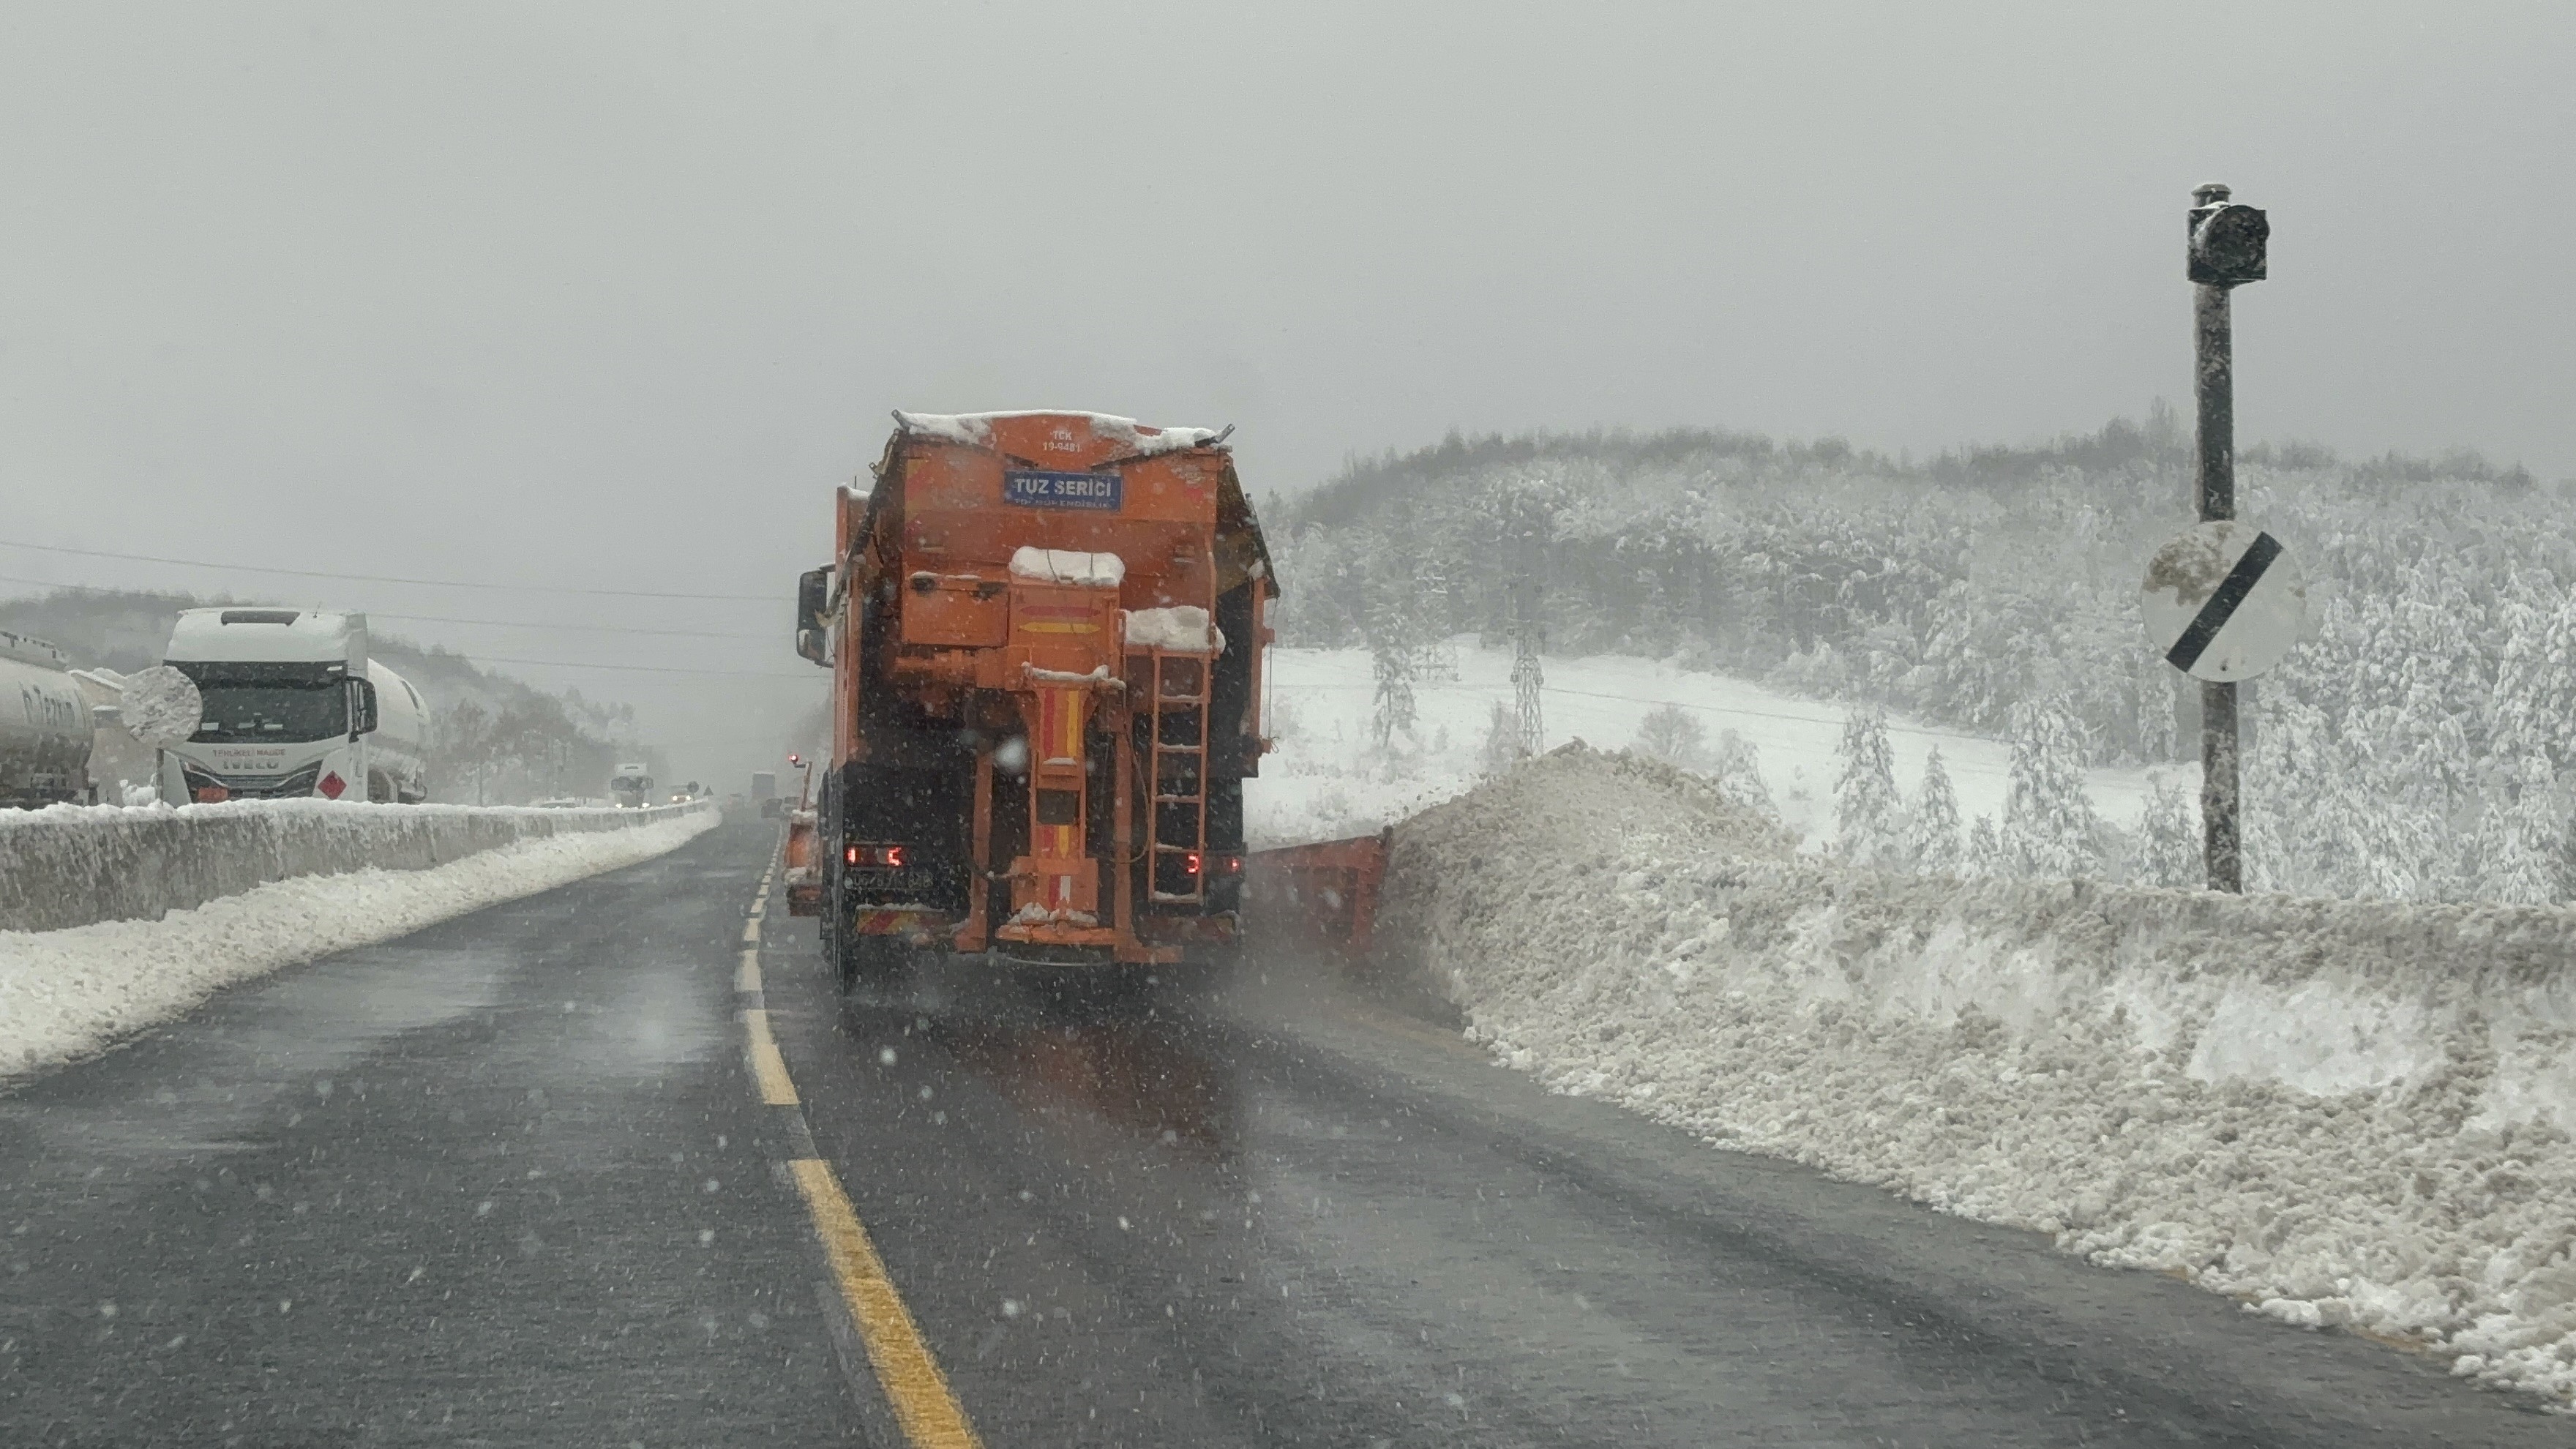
292, 707
44, 725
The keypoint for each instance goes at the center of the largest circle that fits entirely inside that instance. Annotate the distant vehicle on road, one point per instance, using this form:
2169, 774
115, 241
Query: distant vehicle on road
631, 786
44, 725
294, 708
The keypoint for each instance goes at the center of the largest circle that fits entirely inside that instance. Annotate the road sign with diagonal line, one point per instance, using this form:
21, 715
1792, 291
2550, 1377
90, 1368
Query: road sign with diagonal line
2223, 601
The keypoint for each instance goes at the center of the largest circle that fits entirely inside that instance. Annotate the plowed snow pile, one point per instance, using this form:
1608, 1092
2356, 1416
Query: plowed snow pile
2349, 1113
69, 992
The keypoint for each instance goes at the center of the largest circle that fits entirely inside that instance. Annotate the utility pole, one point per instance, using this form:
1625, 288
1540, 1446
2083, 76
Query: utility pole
1528, 677
2226, 250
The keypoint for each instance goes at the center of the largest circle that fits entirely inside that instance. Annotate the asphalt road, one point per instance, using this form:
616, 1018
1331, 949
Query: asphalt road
511, 1181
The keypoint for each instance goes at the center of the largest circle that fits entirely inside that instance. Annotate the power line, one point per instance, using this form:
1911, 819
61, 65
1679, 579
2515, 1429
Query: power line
588, 628
1892, 728
627, 669
195, 563
446, 619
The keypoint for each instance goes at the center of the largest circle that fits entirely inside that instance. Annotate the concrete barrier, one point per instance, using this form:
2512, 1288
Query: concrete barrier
75, 865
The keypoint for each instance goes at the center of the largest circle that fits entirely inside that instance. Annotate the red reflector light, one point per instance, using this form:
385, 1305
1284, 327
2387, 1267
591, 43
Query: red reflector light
1233, 863
1190, 862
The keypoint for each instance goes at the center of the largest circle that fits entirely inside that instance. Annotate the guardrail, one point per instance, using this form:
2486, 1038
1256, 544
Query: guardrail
75, 866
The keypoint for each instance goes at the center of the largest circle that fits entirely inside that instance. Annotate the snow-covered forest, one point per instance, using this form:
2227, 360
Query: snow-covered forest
493, 739
2417, 746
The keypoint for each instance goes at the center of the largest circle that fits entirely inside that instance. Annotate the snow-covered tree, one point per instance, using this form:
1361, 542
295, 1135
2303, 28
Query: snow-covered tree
1739, 774
2049, 824
1502, 746
1869, 816
1932, 842
2170, 850
1391, 662
1675, 735
1985, 853
2527, 840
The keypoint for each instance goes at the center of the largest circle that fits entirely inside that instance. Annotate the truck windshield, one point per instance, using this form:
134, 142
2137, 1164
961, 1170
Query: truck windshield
273, 713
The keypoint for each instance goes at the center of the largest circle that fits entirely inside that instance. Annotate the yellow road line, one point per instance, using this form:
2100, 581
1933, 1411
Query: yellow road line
929, 1412
776, 1088
746, 977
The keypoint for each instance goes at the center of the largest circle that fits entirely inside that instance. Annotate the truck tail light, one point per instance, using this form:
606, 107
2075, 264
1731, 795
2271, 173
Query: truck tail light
1192, 863
890, 856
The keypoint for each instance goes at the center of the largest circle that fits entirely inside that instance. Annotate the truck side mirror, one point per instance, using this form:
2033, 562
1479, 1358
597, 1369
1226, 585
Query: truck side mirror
362, 707
813, 595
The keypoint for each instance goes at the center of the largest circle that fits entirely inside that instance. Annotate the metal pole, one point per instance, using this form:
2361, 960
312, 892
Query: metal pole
1528, 675
2214, 490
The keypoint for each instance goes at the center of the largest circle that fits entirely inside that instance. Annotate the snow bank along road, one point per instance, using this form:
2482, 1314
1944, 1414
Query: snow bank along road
73, 990
515, 1179
73, 865
2343, 1113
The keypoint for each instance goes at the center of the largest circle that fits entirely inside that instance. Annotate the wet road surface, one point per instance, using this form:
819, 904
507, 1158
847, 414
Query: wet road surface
509, 1181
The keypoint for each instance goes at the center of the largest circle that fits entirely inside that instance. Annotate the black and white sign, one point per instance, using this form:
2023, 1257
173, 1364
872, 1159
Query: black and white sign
2223, 602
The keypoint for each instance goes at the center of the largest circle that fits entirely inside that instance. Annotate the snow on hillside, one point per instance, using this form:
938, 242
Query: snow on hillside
2348, 1113
1329, 779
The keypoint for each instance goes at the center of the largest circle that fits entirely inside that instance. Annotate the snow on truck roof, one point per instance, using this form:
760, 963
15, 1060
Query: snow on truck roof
243, 633
975, 430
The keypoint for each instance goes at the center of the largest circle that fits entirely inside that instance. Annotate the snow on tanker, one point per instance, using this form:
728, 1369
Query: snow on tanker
1046, 633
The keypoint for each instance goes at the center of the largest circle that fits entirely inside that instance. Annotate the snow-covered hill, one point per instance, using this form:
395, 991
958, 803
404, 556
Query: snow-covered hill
1329, 778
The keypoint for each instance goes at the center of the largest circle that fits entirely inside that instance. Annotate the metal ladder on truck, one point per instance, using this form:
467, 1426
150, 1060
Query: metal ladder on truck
1179, 798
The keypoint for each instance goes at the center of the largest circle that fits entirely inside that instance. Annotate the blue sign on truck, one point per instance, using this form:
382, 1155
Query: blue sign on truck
1033, 489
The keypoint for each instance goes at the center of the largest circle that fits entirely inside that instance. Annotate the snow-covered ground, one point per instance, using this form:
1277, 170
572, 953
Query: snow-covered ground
69, 992
2341, 1112
1328, 779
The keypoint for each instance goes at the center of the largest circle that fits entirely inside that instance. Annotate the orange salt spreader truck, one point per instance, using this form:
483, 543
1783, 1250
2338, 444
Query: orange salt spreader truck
1046, 636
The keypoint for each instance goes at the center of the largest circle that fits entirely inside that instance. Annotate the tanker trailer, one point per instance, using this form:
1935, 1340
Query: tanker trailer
44, 726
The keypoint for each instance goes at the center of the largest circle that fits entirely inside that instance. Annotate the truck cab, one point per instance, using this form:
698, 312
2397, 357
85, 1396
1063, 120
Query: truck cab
294, 708
630, 787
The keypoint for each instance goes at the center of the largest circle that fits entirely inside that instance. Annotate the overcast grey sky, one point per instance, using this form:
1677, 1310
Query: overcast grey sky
611, 295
